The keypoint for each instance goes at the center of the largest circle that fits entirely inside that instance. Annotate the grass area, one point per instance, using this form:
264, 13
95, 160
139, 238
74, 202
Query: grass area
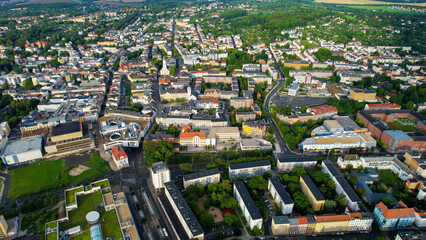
52, 236
405, 128
97, 162
102, 184
388, 178
71, 194
110, 225
87, 203
84, 236
36, 223
43, 176
51, 225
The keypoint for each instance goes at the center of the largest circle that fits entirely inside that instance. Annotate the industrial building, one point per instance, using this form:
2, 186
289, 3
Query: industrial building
22, 151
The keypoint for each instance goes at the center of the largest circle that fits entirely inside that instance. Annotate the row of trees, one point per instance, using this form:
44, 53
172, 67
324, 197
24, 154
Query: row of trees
157, 151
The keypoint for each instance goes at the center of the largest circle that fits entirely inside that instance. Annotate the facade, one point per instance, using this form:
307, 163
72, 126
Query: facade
280, 196
195, 139
22, 151
222, 134
257, 128
188, 220
3, 227
160, 174
362, 95
292, 91
249, 169
204, 177
120, 157
340, 142
245, 116
241, 102
286, 163
393, 218
246, 204
314, 195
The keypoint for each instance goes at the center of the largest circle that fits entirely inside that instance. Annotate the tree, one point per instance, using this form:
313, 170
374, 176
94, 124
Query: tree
5, 86
28, 84
288, 81
353, 179
387, 201
55, 63
298, 171
330, 205
409, 105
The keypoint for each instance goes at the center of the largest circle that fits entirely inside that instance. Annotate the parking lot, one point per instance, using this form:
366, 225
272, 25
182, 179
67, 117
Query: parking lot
280, 100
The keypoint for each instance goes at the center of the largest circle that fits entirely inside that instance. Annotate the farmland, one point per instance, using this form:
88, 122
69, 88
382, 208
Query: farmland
368, 2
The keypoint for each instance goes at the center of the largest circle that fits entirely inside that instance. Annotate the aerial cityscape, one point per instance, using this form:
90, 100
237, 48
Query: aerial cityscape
231, 119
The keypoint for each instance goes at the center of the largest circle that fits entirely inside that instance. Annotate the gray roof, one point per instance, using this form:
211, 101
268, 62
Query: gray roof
158, 167
347, 123
398, 135
281, 191
281, 220
236, 166
313, 188
331, 168
348, 190
21, 146
189, 217
295, 158
196, 175
248, 201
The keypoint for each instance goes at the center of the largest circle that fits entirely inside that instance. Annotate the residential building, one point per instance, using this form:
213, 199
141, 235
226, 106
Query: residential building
120, 157
5, 127
397, 140
257, 128
342, 186
213, 93
249, 169
294, 118
247, 206
203, 177
286, 163
314, 195
245, 116
323, 111
362, 95
292, 91
280, 195
241, 102
188, 220
410, 235
3, 227
22, 151
399, 217
160, 174
382, 106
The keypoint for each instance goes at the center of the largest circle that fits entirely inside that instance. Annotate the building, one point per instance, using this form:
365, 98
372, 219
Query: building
314, 195
342, 186
188, 220
241, 102
5, 127
222, 134
410, 235
249, 169
257, 128
246, 204
292, 91
194, 139
323, 111
286, 163
3, 227
120, 157
204, 178
397, 140
362, 95
280, 196
22, 151
160, 174
245, 116
382, 106
393, 218
250, 144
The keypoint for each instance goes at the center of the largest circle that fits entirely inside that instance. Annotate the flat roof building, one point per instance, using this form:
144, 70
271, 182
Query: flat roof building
160, 174
246, 203
280, 195
22, 151
314, 195
249, 169
204, 177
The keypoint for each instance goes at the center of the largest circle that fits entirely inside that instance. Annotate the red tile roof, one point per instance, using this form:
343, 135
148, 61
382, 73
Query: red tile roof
396, 212
191, 135
323, 109
333, 218
302, 220
118, 153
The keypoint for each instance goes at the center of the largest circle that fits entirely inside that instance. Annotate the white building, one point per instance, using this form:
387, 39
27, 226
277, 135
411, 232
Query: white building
420, 220
204, 177
286, 163
422, 194
246, 203
120, 157
249, 169
160, 174
360, 222
280, 195
292, 91
22, 151
188, 220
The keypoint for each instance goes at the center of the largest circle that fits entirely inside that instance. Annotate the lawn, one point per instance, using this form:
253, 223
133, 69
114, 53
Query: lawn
52, 236
71, 194
110, 225
97, 162
405, 128
103, 184
43, 176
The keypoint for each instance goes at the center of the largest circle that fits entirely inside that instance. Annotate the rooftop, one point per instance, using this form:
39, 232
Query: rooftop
196, 175
21, 146
65, 128
398, 135
159, 167
236, 166
313, 188
248, 201
395, 212
281, 191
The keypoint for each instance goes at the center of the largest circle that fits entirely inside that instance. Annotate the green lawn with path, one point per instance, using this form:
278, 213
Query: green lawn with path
97, 162
41, 176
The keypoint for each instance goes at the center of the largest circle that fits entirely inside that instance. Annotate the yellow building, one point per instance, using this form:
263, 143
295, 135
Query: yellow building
257, 128
213, 93
411, 159
362, 95
67, 131
332, 223
3, 227
314, 195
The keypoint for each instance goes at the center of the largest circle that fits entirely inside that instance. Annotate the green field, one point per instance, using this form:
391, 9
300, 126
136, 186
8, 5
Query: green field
405, 128
383, 8
97, 162
43, 176
109, 222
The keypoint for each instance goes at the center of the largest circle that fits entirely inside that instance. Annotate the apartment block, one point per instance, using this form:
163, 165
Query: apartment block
314, 195
280, 196
249, 169
399, 217
204, 177
160, 174
286, 163
246, 203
